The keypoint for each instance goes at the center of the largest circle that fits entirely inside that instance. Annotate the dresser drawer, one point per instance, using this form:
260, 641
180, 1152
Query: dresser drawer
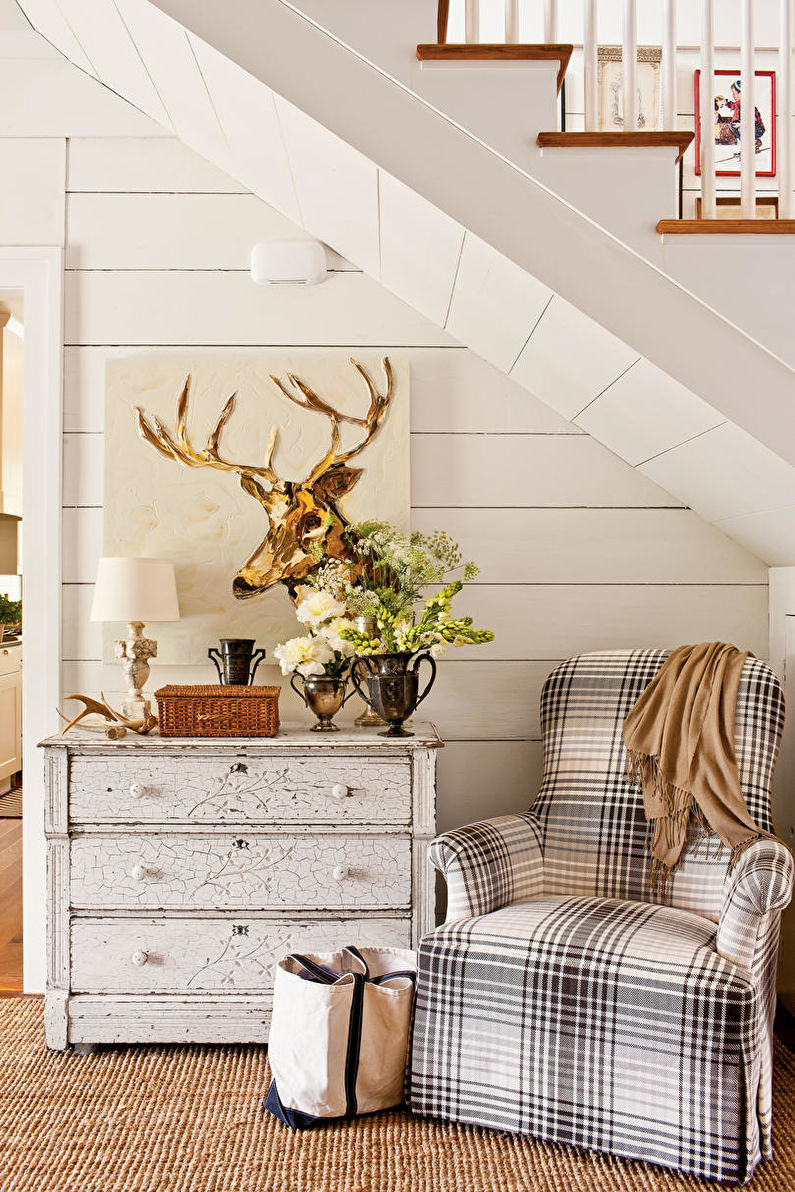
255, 871
200, 955
234, 790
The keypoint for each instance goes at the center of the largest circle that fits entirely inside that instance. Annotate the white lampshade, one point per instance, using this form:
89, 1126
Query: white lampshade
135, 590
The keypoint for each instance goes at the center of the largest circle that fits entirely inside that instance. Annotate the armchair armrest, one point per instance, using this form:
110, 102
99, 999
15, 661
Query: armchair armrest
489, 864
760, 882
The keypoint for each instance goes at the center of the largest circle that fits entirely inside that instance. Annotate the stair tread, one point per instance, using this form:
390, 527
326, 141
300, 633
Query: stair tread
727, 227
496, 52
621, 140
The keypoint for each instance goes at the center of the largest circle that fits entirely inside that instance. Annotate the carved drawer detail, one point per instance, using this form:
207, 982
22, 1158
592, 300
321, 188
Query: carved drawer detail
253, 871
235, 790
198, 955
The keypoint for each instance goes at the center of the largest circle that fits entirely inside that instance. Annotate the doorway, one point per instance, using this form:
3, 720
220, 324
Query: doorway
33, 277
12, 335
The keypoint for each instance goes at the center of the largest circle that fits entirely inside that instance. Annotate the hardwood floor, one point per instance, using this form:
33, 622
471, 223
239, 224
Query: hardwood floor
10, 905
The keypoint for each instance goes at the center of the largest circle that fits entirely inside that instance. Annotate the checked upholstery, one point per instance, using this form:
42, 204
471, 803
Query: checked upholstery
562, 998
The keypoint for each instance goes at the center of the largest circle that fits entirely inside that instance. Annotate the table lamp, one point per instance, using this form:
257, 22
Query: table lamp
135, 591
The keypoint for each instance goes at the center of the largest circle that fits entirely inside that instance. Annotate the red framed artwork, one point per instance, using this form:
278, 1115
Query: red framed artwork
727, 92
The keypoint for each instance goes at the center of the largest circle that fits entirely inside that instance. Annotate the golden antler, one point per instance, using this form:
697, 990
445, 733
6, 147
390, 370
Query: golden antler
179, 447
379, 405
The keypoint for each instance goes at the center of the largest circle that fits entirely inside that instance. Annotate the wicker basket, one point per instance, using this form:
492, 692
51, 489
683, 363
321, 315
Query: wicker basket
211, 710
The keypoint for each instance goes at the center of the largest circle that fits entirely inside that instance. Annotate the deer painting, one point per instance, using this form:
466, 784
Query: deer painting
301, 513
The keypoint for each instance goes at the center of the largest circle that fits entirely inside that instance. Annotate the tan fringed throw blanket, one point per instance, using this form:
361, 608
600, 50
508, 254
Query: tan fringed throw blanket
680, 750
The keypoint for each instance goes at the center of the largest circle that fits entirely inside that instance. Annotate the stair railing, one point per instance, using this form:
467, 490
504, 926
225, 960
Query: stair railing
474, 10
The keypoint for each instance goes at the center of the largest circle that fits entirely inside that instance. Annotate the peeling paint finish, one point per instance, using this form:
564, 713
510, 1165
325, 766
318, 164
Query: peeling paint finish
202, 955
179, 872
251, 872
221, 792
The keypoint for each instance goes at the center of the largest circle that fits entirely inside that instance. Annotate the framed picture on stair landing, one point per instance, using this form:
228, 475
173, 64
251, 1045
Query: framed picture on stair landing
611, 89
727, 94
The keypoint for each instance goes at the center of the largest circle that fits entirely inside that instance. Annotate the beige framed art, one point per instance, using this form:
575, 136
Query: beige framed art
235, 467
611, 88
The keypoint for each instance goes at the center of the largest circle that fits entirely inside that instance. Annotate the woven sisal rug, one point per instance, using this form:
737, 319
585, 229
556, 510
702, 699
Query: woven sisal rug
188, 1119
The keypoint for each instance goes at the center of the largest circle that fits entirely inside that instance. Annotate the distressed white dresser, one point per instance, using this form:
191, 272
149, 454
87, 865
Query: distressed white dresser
180, 870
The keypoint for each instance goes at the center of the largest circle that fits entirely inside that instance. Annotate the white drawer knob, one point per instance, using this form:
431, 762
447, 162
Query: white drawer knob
340, 873
137, 790
340, 791
139, 958
138, 873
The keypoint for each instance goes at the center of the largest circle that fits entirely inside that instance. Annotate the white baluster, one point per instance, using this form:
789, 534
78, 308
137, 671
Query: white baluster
591, 67
511, 21
629, 67
747, 132
669, 65
707, 110
550, 21
786, 110
472, 20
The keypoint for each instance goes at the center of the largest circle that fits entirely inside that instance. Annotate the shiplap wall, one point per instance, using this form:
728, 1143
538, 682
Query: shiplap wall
577, 550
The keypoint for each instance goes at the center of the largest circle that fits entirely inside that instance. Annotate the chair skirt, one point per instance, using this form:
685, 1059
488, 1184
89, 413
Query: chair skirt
600, 1023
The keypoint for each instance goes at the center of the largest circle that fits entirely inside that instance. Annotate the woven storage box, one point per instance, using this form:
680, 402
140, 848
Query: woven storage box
211, 710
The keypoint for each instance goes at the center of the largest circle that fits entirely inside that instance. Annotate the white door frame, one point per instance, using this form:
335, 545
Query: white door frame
38, 272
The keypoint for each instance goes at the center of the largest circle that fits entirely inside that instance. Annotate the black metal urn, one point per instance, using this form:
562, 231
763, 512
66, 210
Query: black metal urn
392, 686
234, 661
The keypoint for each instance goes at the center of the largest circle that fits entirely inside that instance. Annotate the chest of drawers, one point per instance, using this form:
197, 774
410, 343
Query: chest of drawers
179, 871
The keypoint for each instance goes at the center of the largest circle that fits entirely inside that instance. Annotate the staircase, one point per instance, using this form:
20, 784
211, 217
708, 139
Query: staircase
447, 179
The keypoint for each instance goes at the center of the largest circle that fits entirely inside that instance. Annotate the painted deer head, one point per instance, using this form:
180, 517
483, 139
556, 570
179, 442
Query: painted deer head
300, 513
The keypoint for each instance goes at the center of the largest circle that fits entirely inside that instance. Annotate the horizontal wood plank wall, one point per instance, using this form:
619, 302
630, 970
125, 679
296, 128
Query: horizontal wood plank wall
577, 550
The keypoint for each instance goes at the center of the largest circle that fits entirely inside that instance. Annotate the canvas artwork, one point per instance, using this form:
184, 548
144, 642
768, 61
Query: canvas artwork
727, 93
611, 88
232, 468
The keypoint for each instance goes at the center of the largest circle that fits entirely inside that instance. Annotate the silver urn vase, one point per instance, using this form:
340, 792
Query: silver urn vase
324, 695
392, 686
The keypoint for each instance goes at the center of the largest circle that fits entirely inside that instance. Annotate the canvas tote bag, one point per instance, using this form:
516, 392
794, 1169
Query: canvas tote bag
339, 1033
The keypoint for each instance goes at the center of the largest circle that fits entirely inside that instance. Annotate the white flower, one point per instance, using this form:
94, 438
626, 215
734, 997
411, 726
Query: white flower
437, 649
318, 607
331, 632
307, 655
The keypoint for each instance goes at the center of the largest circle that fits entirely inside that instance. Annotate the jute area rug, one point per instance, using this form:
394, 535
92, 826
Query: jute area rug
188, 1119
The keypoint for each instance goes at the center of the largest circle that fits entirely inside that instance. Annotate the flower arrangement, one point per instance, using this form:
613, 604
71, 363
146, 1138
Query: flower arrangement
385, 582
322, 650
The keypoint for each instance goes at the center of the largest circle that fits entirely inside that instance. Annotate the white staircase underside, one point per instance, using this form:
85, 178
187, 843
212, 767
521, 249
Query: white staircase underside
466, 238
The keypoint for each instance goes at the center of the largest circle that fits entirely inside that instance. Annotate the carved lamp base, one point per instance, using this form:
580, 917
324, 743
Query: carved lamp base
135, 651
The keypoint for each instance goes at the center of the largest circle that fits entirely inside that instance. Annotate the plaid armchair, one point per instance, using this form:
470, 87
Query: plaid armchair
564, 1000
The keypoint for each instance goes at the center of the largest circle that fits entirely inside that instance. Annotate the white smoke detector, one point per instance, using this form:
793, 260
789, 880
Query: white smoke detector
288, 262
